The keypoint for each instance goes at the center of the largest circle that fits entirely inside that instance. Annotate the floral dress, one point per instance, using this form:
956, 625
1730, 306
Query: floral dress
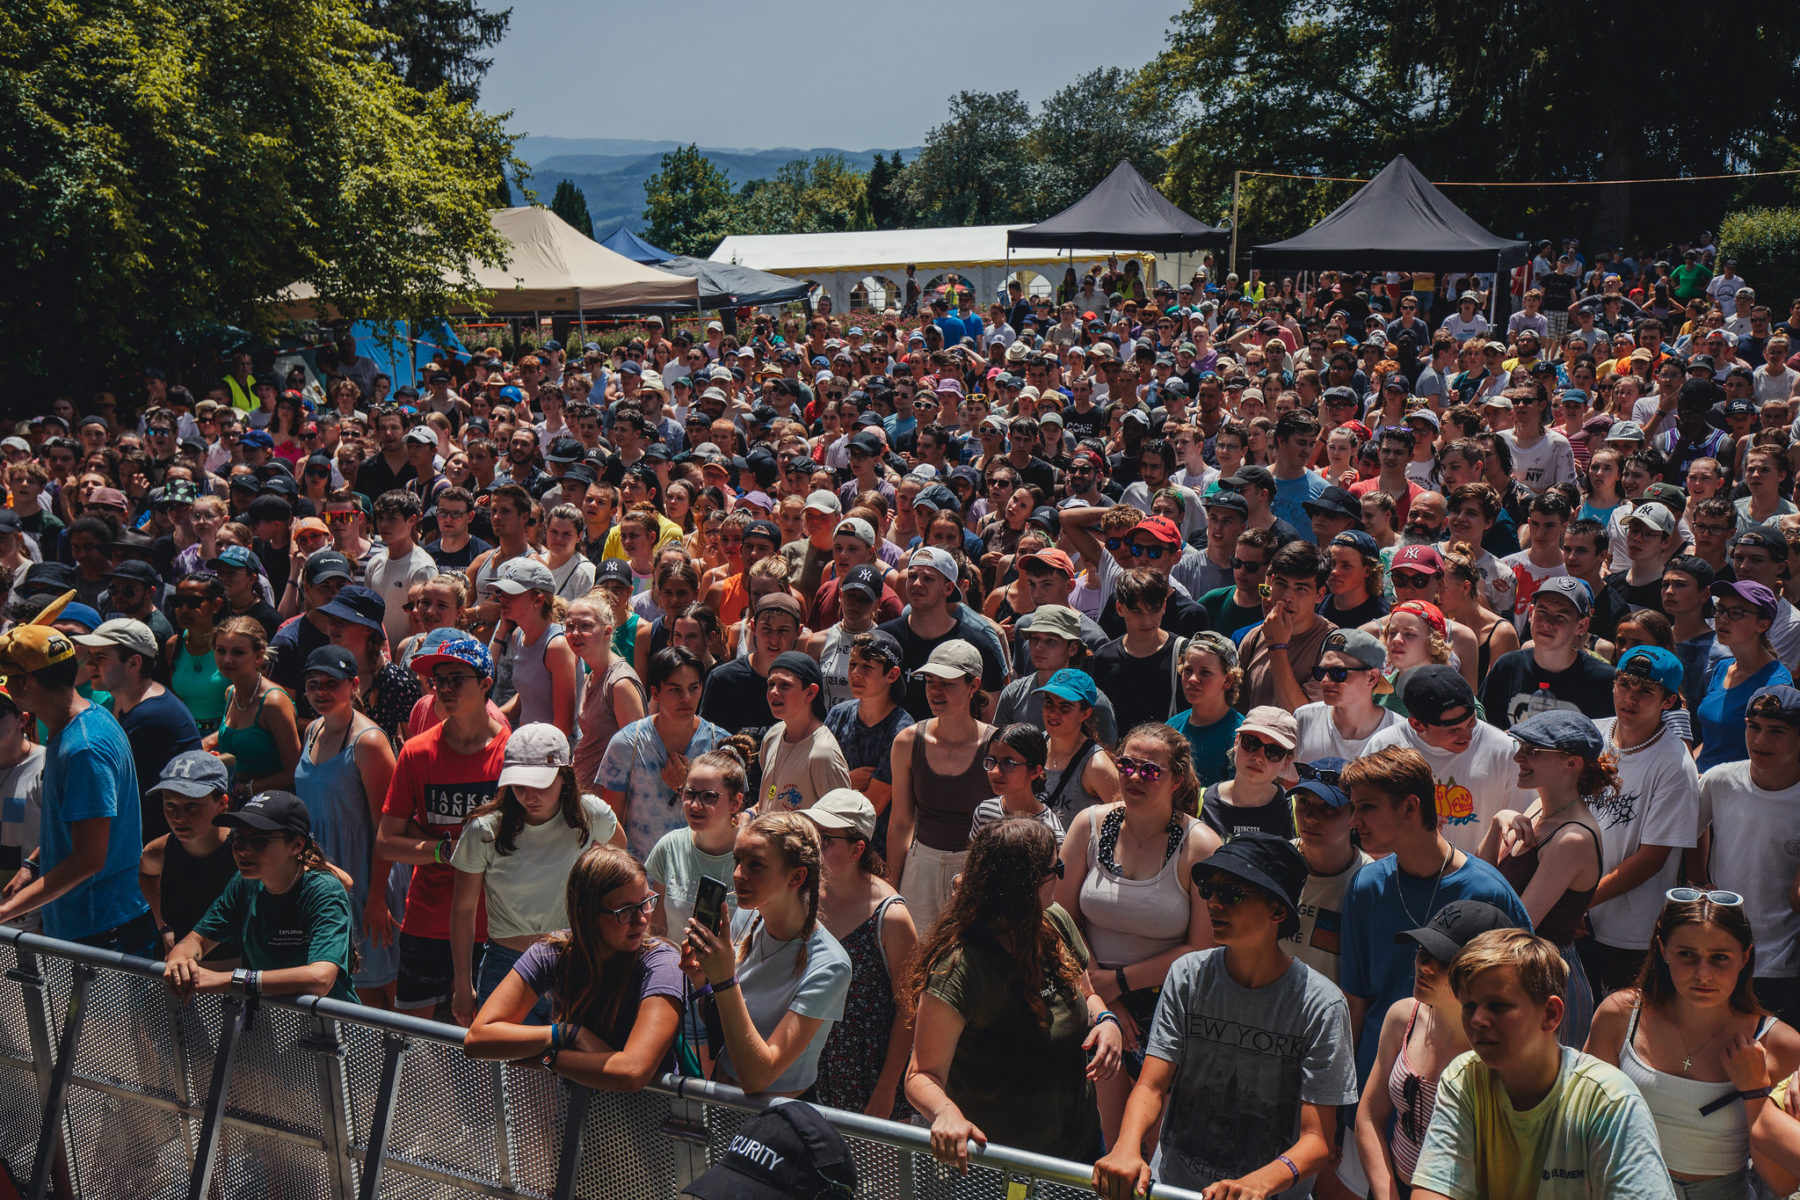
857, 1046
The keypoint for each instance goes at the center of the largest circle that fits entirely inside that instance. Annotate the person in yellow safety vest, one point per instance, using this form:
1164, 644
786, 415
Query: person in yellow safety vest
240, 383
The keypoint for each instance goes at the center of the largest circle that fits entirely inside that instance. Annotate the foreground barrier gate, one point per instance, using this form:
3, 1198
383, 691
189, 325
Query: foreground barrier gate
112, 1088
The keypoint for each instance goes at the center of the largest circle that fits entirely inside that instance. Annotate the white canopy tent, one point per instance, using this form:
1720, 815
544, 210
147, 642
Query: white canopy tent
840, 262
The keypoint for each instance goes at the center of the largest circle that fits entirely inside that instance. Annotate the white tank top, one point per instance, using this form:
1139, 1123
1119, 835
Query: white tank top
834, 663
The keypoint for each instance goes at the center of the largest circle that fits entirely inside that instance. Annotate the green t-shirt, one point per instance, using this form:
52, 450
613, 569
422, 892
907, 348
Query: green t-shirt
1690, 282
308, 923
1227, 615
1022, 1084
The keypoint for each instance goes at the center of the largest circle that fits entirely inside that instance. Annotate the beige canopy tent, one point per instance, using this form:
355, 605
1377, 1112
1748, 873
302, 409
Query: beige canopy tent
552, 267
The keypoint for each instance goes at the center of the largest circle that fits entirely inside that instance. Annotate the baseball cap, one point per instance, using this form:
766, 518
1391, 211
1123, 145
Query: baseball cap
1077, 687
534, 754
270, 812
1653, 663
614, 570
1569, 588
1229, 500
952, 659
136, 570
1357, 540
824, 501
358, 605
1058, 620
1335, 501
320, 566
1320, 779
1051, 557
864, 578
1560, 729
1787, 698
766, 530
1763, 537
1272, 722
1434, 689
1266, 860
124, 632
885, 646
193, 773
1625, 431
937, 559
1160, 528
1744, 589
465, 650
788, 1152
857, 528
235, 556
1254, 476
1454, 926
334, 661
843, 808
1423, 559
780, 602
521, 575
1652, 516
1364, 647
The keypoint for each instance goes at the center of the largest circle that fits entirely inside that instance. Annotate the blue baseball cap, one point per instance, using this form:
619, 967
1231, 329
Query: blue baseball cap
1654, 663
1320, 778
257, 439
1074, 686
1560, 729
465, 650
80, 614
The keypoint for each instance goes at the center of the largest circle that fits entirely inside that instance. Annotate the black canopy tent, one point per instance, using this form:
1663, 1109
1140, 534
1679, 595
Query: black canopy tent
728, 285
1398, 222
1123, 213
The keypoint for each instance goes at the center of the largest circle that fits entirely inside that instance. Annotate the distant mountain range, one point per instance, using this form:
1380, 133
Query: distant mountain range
611, 171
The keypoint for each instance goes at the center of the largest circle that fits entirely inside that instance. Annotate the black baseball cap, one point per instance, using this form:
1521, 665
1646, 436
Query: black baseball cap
136, 570
789, 1152
1454, 926
1335, 501
864, 578
616, 570
270, 812
565, 450
1266, 860
326, 564
1254, 476
334, 661
1434, 689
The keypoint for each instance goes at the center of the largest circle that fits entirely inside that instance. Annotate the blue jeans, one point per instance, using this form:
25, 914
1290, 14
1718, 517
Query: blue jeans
496, 962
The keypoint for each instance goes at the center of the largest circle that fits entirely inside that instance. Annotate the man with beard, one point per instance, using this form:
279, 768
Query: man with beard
1425, 521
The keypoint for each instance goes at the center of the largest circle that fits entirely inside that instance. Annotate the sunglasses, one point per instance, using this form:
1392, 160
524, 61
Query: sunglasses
1337, 674
1271, 751
258, 842
705, 799
1687, 895
1245, 564
1153, 553
1056, 870
1228, 894
1131, 768
340, 518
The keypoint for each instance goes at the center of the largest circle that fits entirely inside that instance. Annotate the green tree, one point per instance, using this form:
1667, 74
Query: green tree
972, 168
817, 196
438, 43
688, 204
1081, 133
569, 204
183, 163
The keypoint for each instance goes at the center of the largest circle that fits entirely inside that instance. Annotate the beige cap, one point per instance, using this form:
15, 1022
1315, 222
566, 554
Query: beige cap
843, 808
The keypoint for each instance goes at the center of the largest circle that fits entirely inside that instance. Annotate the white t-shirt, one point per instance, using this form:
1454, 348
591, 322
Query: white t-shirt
1755, 852
676, 866
1320, 737
21, 815
526, 890
1657, 804
1471, 786
390, 578
1548, 460
1461, 330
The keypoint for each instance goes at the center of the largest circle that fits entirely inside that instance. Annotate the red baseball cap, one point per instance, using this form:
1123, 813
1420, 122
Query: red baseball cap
1423, 559
1160, 528
1050, 556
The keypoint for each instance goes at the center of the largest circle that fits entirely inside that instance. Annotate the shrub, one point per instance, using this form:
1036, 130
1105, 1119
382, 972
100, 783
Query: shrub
1766, 244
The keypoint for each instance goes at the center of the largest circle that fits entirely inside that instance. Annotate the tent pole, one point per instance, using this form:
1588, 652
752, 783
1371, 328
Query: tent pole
1237, 179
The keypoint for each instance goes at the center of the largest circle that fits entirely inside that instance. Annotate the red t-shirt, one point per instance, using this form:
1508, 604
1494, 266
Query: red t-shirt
1402, 504
438, 788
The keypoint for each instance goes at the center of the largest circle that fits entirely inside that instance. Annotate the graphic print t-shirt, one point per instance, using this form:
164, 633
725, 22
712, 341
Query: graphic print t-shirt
438, 788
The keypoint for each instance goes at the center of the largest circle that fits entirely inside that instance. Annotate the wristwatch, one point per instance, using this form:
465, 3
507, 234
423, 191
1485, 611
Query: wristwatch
548, 1058
240, 978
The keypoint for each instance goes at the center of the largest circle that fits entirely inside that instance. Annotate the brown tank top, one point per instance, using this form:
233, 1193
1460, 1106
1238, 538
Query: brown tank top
944, 805
1563, 921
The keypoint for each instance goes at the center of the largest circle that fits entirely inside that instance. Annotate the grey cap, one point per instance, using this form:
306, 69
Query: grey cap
1365, 648
193, 773
954, 659
125, 632
1560, 729
523, 575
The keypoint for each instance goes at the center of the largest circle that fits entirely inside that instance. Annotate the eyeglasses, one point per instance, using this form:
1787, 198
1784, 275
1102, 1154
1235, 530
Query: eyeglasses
1687, 895
1228, 894
1736, 612
1337, 674
449, 683
1271, 751
626, 914
256, 843
1056, 869
1132, 768
705, 799
1003, 765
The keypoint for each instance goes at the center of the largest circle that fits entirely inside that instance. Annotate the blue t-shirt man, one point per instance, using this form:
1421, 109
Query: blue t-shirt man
89, 774
1381, 902
1290, 500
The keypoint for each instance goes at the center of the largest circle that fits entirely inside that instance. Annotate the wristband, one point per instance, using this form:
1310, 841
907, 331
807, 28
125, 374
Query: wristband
1707, 1110
32, 865
1287, 1162
1119, 977
1105, 1016
1276, 646
437, 851
165, 927
713, 989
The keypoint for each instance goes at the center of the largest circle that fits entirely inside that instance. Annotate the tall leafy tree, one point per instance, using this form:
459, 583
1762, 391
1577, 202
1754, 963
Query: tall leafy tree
186, 162
807, 196
569, 204
1081, 133
438, 43
972, 168
688, 204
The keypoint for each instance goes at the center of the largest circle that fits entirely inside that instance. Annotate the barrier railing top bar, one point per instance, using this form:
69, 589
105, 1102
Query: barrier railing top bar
892, 1133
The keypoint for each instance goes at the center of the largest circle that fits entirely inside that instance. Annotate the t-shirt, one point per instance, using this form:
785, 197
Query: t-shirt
308, 923
1020, 700
457, 560
915, 649
1321, 738
1721, 711
1290, 500
438, 788
656, 973
1747, 860
89, 774
21, 813
1516, 686
1228, 615
1228, 820
994, 809
867, 745
1591, 1136
390, 578
159, 728
1141, 689
675, 868
1548, 460
736, 697
1471, 786
1245, 1061
1657, 804
1021, 1082
1304, 651
526, 890
796, 774
1319, 942
1380, 902
1211, 744
774, 984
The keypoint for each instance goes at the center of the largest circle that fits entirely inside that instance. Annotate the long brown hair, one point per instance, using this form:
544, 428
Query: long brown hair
996, 906
512, 813
591, 983
1654, 983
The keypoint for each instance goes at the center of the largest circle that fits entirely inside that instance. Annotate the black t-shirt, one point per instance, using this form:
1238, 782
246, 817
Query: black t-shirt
1078, 425
1141, 689
1515, 683
275, 561
1181, 616
915, 649
1040, 472
1229, 820
159, 729
264, 614
457, 560
736, 697
1635, 595
375, 477
1371, 609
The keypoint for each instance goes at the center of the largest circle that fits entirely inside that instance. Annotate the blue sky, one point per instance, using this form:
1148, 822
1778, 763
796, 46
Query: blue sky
802, 73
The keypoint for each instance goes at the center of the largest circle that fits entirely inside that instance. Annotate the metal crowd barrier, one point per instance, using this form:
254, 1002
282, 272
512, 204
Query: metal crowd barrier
111, 1088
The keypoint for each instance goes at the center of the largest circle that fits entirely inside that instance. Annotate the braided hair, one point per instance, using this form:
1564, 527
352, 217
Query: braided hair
795, 841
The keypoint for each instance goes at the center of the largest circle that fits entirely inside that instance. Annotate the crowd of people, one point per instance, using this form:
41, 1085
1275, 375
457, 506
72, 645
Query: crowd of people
1261, 738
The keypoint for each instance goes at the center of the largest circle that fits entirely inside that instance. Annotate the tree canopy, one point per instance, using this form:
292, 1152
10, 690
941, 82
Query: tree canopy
972, 168
824, 194
689, 205
569, 204
438, 43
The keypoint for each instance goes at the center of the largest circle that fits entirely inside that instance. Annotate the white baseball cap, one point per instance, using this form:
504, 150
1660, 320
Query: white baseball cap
534, 753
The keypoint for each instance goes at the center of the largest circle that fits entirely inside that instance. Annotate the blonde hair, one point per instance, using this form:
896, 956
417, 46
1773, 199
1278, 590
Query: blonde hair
795, 840
1536, 961
597, 600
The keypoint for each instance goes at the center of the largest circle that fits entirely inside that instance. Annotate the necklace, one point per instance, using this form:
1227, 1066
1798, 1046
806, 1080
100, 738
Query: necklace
1687, 1054
1401, 890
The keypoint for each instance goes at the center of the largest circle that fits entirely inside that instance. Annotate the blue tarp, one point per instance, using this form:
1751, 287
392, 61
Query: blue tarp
428, 344
623, 241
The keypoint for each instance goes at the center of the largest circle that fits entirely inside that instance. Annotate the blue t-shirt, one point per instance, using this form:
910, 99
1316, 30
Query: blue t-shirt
1382, 902
158, 729
88, 773
1211, 744
952, 328
1290, 500
1721, 713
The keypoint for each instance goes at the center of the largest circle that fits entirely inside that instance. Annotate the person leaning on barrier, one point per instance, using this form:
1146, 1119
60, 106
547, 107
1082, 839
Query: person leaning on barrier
182, 872
287, 906
615, 990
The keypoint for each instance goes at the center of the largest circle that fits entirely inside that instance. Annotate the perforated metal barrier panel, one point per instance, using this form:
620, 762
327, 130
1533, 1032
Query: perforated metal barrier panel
147, 1098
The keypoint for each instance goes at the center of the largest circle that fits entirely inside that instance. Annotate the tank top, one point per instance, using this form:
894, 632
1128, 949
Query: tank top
834, 663
1715, 1144
945, 804
856, 1048
597, 722
531, 675
345, 832
1412, 1115
625, 635
196, 682
1563, 920
252, 746
189, 887
1130, 920
1064, 792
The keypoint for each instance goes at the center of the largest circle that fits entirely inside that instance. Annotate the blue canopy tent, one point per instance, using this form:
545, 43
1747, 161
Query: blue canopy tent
623, 241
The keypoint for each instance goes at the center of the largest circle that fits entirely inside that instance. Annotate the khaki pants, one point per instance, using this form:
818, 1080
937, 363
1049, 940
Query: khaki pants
927, 882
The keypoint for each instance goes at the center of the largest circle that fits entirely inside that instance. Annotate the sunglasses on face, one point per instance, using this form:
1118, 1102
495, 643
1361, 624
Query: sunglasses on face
1337, 674
255, 843
1230, 895
1056, 869
1246, 564
1271, 751
1132, 768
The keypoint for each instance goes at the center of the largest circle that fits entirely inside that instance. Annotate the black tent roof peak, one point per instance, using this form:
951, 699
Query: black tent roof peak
1124, 212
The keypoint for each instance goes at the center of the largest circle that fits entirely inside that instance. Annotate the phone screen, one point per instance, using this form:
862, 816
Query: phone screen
709, 903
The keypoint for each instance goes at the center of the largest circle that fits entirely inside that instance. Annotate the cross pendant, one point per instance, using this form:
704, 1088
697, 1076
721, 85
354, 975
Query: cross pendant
1687, 1062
